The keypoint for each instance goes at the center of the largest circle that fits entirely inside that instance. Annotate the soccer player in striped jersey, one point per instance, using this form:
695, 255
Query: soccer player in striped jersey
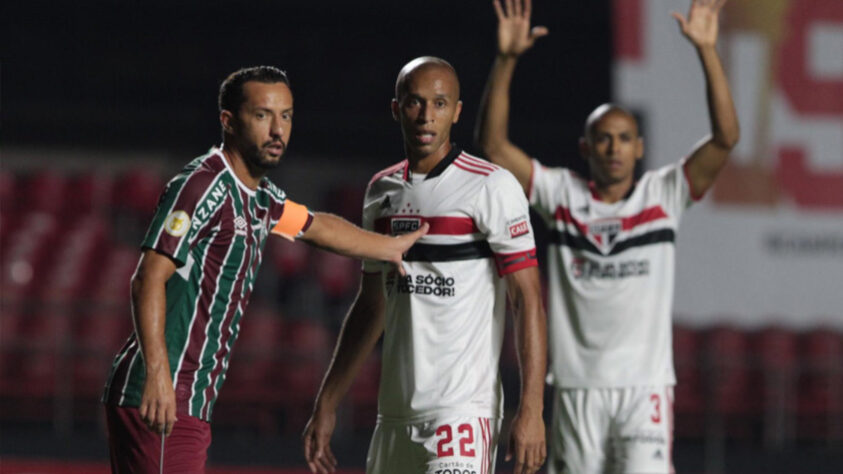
200, 258
611, 269
440, 400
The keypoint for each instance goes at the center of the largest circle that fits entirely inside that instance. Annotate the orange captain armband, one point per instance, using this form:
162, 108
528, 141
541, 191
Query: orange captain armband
294, 220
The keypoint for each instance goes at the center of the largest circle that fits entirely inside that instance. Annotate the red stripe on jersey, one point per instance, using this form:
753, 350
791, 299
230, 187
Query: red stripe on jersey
388, 171
439, 225
478, 162
463, 166
512, 262
483, 459
650, 214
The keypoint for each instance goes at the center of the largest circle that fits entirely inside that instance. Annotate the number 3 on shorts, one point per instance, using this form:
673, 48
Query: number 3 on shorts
466, 433
656, 417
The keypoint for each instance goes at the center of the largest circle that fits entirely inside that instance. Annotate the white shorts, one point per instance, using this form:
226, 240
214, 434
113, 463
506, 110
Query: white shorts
612, 431
454, 445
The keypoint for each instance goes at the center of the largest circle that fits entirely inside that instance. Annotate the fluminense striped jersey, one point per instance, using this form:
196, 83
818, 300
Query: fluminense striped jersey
445, 319
214, 228
611, 275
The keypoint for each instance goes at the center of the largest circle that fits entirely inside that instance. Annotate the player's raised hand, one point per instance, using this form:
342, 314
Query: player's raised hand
317, 442
514, 33
527, 443
701, 25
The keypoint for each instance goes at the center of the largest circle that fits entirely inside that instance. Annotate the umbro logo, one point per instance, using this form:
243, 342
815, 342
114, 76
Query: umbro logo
240, 225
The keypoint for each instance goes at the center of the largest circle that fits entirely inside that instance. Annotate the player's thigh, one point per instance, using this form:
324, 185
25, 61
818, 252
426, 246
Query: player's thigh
459, 445
643, 433
579, 432
135, 449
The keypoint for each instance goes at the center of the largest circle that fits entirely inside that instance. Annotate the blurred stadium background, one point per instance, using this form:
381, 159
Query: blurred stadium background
103, 101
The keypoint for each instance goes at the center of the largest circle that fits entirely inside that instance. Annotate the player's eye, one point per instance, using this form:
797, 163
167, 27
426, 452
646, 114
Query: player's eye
440, 103
287, 116
260, 115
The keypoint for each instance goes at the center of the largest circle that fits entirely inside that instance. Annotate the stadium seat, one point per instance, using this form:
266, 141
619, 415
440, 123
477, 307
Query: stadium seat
729, 386
89, 193
44, 191
820, 394
689, 392
138, 191
27, 251
289, 258
305, 337
337, 275
776, 350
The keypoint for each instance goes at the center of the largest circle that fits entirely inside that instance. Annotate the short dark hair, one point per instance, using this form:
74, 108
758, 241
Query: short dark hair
231, 91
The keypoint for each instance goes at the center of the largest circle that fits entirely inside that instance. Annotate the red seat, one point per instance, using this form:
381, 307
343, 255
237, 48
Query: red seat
689, 392
337, 275
776, 350
289, 258
820, 394
306, 337
44, 191
29, 247
730, 384
138, 191
89, 193
71, 267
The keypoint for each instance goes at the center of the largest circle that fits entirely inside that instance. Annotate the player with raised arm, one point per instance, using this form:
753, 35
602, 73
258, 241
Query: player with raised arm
612, 255
192, 285
440, 398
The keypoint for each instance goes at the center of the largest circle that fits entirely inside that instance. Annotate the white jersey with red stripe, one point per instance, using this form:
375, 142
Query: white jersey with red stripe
611, 277
445, 319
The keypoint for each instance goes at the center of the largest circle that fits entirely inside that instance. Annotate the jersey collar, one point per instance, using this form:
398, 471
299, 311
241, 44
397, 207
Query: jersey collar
449, 158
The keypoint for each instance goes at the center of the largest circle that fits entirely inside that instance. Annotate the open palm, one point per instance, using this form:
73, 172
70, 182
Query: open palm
514, 33
701, 25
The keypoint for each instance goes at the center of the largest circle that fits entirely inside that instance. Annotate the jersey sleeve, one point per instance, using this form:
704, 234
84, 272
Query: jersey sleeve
671, 184
370, 209
185, 209
544, 184
503, 216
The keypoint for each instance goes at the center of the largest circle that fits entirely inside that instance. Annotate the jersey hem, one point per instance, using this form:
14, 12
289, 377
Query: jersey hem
437, 415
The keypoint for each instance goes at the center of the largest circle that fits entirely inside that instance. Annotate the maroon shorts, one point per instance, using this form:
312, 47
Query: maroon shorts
136, 449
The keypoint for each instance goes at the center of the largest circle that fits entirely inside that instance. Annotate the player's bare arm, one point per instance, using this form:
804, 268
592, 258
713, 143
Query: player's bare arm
338, 235
708, 158
515, 36
527, 439
360, 332
149, 302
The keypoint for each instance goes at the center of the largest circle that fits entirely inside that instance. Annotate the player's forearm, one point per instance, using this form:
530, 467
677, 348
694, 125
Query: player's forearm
493, 121
725, 130
149, 309
531, 342
358, 336
340, 236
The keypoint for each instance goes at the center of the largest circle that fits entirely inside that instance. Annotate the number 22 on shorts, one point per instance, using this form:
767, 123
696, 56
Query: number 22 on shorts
445, 448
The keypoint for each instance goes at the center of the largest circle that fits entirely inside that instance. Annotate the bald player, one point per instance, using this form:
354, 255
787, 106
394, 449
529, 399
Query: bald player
612, 256
440, 399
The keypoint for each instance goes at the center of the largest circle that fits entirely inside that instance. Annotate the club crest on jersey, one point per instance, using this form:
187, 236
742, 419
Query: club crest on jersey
405, 225
604, 232
177, 223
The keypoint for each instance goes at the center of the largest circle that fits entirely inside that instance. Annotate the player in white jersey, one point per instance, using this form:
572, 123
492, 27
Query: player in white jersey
440, 400
612, 256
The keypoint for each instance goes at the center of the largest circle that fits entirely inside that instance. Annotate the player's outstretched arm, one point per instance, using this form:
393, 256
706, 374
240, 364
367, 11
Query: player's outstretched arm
514, 38
340, 236
710, 155
360, 332
527, 438
149, 312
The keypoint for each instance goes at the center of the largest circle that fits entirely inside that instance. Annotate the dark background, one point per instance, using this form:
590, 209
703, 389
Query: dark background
143, 75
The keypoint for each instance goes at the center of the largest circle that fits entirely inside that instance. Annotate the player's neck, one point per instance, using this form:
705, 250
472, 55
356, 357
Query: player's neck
612, 192
421, 163
248, 175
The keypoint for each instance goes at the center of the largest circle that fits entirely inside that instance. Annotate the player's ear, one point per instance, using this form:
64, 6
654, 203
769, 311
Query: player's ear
585, 150
227, 121
394, 107
457, 112
639, 148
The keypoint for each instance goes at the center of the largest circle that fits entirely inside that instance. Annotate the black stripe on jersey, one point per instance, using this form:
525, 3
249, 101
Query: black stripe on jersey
448, 253
578, 242
445, 162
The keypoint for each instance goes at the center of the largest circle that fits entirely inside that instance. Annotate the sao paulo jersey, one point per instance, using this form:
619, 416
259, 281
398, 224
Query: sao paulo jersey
611, 276
445, 320
214, 228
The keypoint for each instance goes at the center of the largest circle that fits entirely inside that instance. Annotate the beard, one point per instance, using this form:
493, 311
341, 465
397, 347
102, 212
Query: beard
259, 157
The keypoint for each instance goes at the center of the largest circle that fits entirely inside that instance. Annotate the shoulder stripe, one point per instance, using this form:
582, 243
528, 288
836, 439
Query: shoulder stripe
388, 171
480, 163
461, 165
